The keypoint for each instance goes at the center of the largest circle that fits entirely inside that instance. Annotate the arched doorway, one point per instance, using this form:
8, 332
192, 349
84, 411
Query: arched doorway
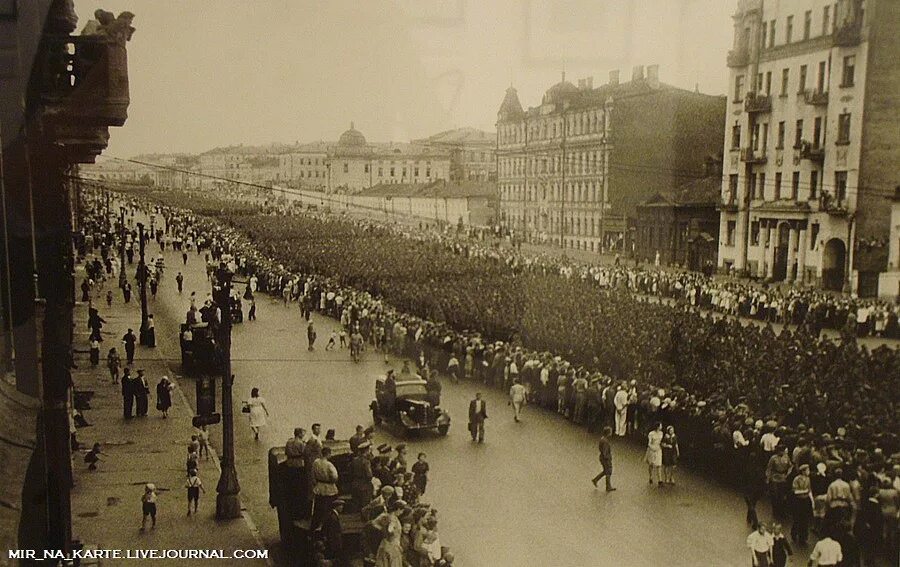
781, 252
833, 258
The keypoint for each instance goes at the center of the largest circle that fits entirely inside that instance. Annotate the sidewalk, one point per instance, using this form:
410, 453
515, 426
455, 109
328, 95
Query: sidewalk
106, 503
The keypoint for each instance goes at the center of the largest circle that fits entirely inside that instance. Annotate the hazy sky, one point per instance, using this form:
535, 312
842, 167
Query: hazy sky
205, 73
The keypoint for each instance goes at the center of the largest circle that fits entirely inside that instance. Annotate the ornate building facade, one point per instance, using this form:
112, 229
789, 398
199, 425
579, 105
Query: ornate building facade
811, 142
354, 164
572, 170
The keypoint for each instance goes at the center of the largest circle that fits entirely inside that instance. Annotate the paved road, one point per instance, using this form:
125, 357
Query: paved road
522, 498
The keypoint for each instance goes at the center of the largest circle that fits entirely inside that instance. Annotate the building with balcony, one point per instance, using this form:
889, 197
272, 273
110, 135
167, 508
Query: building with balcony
810, 140
472, 153
573, 169
354, 164
59, 95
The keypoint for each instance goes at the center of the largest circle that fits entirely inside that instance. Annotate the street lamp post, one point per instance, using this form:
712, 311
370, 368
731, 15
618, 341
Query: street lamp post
142, 285
228, 489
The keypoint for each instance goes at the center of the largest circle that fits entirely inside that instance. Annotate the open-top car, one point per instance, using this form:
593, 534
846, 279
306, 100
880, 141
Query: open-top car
409, 405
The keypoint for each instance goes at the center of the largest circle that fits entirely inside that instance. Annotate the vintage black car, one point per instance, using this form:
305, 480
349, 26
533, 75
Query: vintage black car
410, 406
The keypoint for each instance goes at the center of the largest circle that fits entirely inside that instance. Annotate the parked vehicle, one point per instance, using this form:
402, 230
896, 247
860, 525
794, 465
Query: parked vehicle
409, 406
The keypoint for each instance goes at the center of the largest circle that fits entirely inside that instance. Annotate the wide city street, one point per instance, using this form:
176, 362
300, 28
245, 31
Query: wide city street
524, 497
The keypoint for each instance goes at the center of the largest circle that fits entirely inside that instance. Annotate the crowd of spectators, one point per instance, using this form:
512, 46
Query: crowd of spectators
576, 334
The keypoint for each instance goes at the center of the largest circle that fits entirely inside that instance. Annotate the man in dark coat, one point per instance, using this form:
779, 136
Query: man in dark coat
129, 386
361, 475
130, 340
332, 531
477, 415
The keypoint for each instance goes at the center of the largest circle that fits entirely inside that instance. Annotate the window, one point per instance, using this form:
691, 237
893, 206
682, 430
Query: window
817, 132
729, 239
777, 185
813, 185
840, 186
785, 74
843, 128
772, 33
756, 135
346, 168
758, 83
751, 185
754, 233
764, 43
366, 168
765, 137
393, 171
380, 172
802, 86
807, 24
738, 88
813, 236
798, 134
847, 75
427, 172
736, 136
826, 20
795, 186
820, 82
768, 83
416, 172
780, 145
761, 191
789, 29
732, 188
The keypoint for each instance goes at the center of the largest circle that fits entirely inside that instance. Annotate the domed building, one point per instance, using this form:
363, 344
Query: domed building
354, 164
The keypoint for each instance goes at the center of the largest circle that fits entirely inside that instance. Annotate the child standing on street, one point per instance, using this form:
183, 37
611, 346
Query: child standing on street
148, 506
203, 439
420, 473
194, 485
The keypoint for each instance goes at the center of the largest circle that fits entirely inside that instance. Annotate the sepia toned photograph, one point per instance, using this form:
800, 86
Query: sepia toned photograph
450, 283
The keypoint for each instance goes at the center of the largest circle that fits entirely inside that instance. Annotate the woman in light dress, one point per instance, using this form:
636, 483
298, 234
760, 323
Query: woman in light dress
258, 412
654, 452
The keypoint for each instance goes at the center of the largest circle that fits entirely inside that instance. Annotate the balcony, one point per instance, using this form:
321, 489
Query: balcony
756, 103
816, 98
811, 152
833, 206
729, 204
84, 79
848, 34
738, 57
748, 155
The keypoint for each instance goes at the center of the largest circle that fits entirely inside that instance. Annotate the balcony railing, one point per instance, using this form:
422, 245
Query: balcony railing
756, 102
812, 152
848, 34
85, 79
833, 206
748, 155
729, 204
738, 58
816, 98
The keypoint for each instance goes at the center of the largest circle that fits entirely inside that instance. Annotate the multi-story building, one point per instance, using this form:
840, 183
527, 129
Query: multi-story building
572, 170
812, 142
472, 153
304, 166
354, 164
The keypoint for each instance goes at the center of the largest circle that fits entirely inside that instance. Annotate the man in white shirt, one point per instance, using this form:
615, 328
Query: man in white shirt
769, 441
760, 543
826, 553
620, 400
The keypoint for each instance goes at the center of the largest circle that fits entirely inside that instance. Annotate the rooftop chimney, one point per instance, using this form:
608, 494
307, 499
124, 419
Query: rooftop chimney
653, 76
614, 77
637, 73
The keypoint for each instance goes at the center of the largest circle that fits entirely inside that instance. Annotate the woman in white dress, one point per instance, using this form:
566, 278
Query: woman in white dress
654, 452
258, 412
